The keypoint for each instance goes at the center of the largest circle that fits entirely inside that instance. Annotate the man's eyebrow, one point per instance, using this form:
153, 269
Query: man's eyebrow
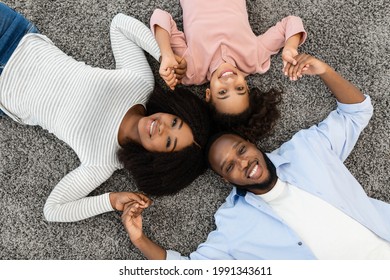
224, 161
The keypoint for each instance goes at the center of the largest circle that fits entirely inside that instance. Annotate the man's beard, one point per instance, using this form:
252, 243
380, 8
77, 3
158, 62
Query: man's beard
267, 184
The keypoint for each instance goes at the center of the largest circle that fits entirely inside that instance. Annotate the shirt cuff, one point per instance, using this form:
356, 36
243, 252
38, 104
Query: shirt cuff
365, 105
162, 19
173, 255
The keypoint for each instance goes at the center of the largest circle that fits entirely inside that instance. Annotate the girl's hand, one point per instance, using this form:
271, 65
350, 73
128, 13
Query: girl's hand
167, 70
119, 199
181, 68
289, 61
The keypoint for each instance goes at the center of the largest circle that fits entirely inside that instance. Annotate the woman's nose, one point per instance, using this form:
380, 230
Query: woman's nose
161, 128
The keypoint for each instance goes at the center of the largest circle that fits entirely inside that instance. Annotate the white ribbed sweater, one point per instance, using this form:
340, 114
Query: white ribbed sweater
81, 105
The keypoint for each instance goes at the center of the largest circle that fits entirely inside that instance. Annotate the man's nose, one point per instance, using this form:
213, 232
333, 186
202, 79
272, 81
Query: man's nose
243, 162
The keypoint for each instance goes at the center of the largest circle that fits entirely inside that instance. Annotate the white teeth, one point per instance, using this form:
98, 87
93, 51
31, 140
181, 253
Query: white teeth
151, 127
227, 74
253, 172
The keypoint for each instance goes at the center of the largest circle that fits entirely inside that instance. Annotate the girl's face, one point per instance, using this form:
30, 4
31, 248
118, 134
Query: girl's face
228, 90
163, 132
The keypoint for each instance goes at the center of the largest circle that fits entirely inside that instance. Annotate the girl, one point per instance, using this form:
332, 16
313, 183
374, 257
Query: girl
100, 113
220, 47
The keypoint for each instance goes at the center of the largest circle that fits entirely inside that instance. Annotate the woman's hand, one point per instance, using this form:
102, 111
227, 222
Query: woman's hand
119, 199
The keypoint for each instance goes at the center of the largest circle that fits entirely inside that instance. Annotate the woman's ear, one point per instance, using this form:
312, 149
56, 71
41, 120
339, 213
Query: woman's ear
208, 95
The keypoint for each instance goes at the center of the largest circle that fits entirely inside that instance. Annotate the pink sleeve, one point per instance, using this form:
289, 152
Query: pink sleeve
177, 40
275, 37
165, 21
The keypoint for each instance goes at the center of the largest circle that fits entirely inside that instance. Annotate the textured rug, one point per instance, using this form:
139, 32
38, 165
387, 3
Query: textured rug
351, 35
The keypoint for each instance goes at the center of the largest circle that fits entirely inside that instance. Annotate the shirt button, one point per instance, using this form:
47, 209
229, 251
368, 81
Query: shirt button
300, 243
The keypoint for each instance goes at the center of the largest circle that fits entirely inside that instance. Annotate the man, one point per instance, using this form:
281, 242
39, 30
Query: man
298, 202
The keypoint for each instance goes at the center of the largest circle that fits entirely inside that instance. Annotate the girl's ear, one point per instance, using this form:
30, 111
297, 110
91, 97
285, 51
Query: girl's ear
208, 95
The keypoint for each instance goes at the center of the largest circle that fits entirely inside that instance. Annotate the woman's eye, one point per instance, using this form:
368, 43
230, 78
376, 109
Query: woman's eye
174, 122
222, 92
242, 150
168, 142
240, 88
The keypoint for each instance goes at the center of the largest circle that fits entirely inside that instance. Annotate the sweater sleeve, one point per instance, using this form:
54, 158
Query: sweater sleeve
68, 202
270, 42
129, 39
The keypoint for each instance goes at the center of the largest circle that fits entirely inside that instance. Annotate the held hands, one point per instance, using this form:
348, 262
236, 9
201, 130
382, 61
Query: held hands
132, 220
305, 65
120, 199
172, 70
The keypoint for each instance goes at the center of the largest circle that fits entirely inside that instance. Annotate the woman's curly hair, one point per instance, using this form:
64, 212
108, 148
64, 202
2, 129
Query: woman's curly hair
158, 173
255, 122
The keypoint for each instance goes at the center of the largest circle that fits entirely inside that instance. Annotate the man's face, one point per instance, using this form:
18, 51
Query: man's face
241, 163
228, 90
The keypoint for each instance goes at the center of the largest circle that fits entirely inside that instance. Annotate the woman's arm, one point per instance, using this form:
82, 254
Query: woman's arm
129, 39
68, 202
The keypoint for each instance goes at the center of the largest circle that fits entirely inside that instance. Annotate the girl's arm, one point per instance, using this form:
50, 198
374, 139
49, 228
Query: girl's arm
168, 62
173, 47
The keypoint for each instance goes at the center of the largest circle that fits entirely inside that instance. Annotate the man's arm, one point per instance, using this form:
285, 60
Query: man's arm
341, 129
132, 221
344, 91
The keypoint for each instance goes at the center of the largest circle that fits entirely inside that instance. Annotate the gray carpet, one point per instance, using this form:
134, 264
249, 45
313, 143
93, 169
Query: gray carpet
353, 36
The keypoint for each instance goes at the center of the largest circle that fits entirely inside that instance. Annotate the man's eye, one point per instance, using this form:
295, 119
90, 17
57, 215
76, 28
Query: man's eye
168, 142
229, 168
222, 92
242, 150
174, 122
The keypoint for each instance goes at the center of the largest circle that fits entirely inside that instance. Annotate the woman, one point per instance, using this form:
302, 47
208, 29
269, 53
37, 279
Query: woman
99, 112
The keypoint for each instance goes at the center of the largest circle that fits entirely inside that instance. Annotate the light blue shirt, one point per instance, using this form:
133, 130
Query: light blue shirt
247, 227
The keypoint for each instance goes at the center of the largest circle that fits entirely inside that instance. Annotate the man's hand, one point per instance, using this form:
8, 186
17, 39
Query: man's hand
132, 221
119, 199
308, 65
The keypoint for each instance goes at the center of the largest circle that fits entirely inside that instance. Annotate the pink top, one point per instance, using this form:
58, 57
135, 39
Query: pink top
218, 31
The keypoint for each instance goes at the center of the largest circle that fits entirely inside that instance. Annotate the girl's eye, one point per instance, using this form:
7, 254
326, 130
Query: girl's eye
222, 92
174, 122
168, 142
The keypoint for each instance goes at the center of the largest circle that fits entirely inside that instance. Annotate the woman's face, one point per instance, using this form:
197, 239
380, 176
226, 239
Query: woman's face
163, 132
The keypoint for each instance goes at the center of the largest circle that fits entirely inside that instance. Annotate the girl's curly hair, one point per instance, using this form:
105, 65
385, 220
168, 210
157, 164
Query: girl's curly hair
255, 122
